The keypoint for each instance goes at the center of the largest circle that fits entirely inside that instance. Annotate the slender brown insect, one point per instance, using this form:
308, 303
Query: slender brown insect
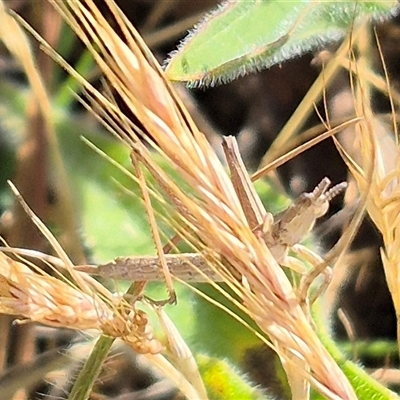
281, 232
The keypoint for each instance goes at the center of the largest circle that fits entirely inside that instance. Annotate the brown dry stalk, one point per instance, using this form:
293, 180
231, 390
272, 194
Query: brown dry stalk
374, 160
215, 213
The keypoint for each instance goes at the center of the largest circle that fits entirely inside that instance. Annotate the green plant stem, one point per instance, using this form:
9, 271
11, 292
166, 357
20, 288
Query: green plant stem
91, 369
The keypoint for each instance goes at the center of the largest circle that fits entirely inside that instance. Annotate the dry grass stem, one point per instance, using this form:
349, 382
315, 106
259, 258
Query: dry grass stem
180, 354
373, 157
214, 213
35, 296
79, 304
15, 39
38, 297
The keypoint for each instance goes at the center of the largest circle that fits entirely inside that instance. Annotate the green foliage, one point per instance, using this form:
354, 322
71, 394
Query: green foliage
224, 383
217, 332
364, 386
246, 36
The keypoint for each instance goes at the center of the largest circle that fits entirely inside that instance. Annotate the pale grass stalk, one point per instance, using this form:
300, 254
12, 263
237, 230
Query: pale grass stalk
80, 304
214, 212
300, 148
38, 297
380, 196
153, 225
180, 355
375, 165
17, 42
175, 375
85, 304
313, 95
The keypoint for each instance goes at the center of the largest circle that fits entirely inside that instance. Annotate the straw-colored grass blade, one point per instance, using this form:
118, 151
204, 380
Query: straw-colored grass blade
215, 213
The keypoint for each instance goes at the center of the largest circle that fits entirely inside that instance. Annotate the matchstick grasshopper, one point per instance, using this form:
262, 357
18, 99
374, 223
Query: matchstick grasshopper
281, 233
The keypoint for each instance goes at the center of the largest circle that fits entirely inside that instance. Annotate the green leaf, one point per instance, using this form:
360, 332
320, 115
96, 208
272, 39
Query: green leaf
246, 36
230, 338
224, 383
113, 222
364, 385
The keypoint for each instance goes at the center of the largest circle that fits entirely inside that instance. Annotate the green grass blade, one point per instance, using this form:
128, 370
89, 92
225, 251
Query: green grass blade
246, 36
